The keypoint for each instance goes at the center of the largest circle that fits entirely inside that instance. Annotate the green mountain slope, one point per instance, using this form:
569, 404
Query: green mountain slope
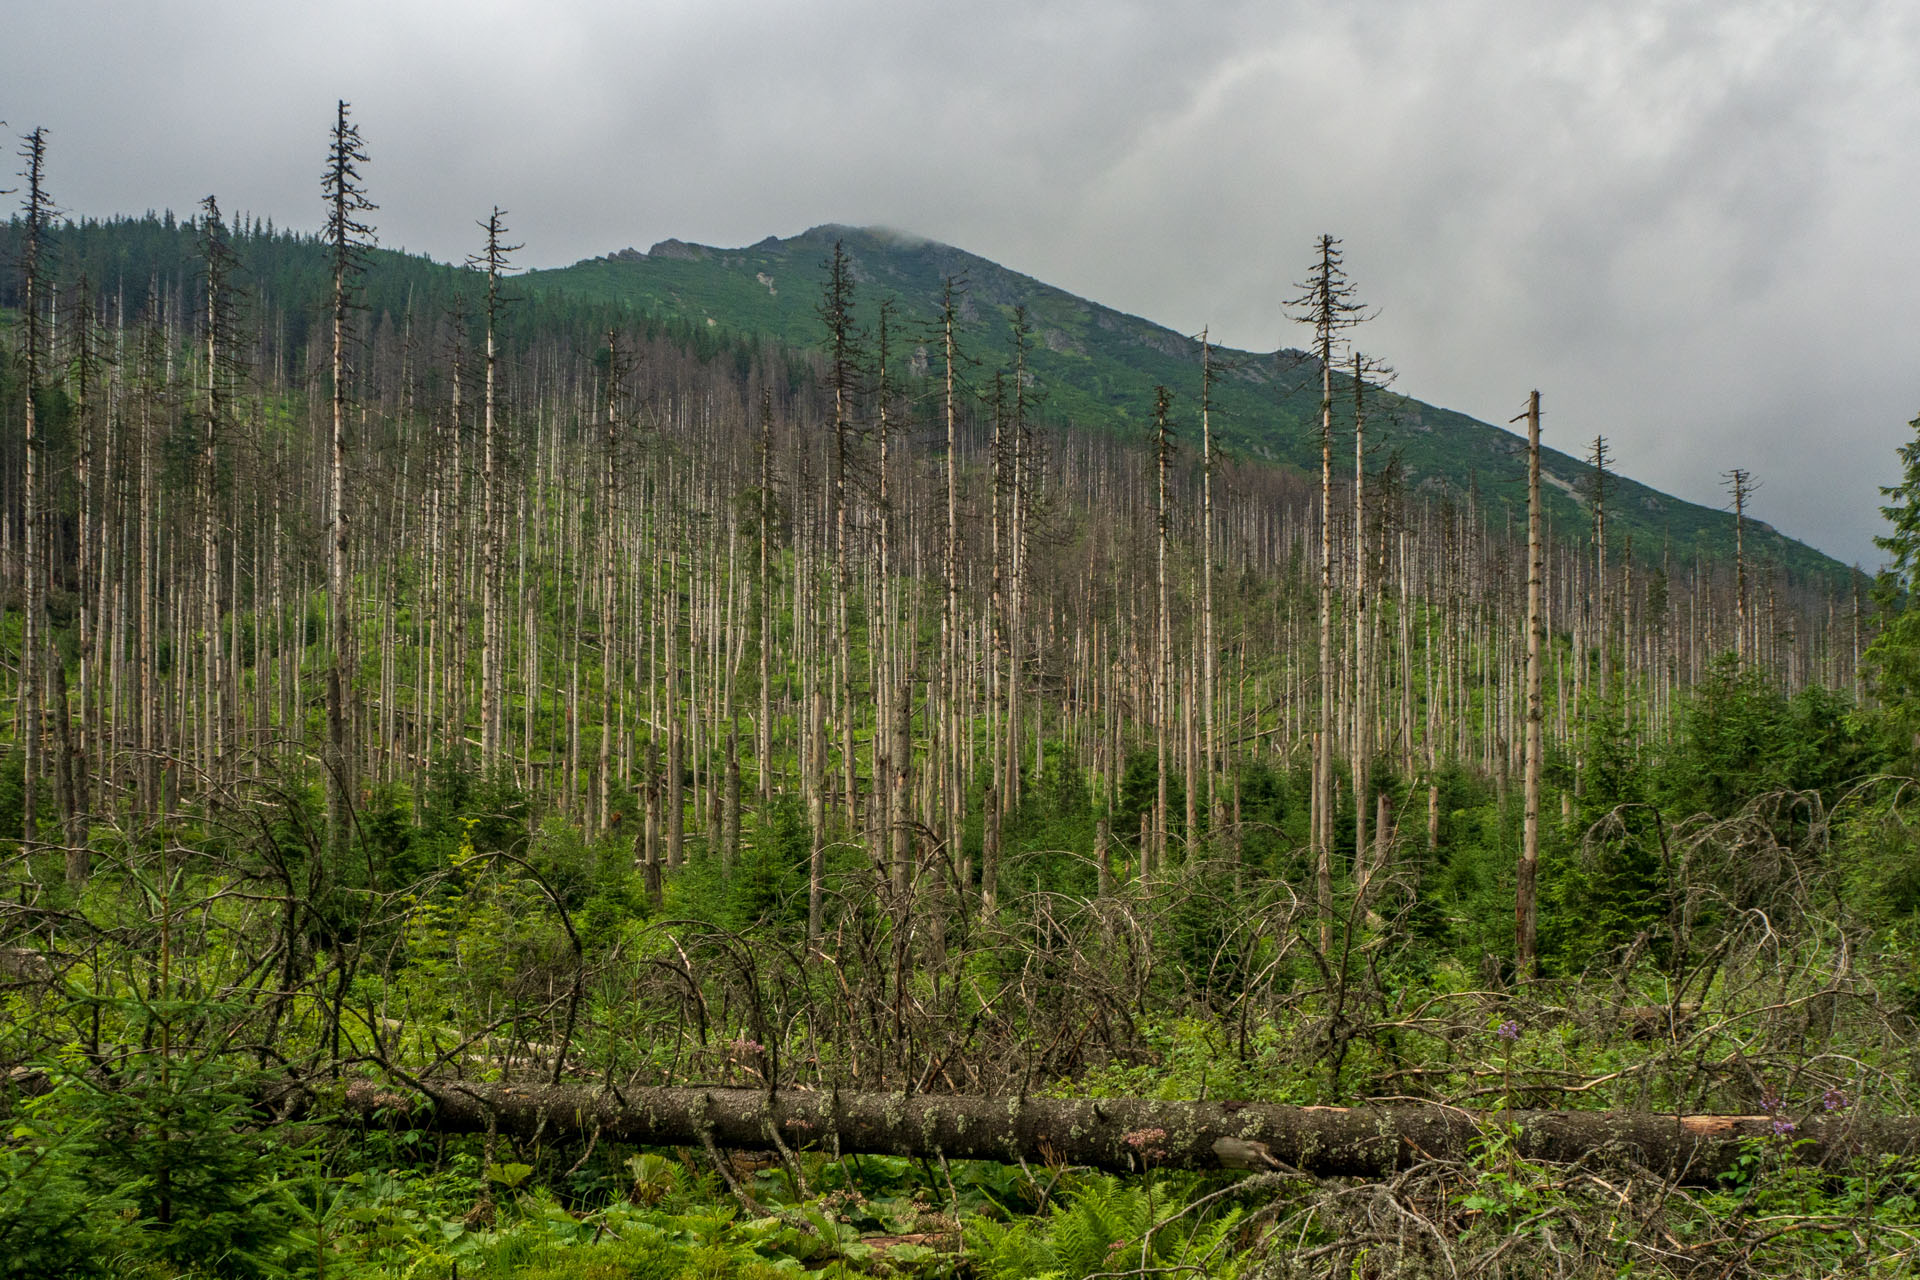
1097, 367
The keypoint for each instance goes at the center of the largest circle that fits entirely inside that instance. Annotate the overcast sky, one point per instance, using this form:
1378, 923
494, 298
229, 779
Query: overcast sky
1691, 225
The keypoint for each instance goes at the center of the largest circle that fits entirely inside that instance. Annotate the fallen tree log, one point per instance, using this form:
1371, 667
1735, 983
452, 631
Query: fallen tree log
1122, 1134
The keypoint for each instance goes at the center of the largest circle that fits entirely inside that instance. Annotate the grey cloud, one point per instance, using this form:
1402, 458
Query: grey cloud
1687, 224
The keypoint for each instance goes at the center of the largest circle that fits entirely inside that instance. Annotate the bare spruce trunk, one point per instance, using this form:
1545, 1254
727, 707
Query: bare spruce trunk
1017, 523
650, 835
1323, 738
609, 597
1329, 307
454, 589
1525, 905
35, 594
730, 816
93, 569
838, 309
1740, 482
763, 731
955, 680
345, 236
145, 590
1362, 719
1216, 818
990, 858
817, 814
1103, 870
1163, 621
676, 761
493, 623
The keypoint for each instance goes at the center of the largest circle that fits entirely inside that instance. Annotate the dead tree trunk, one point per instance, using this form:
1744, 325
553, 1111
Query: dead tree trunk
37, 209
1329, 307
1216, 819
1163, 627
1740, 484
492, 626
1121, 1134
346, 238
1525, 905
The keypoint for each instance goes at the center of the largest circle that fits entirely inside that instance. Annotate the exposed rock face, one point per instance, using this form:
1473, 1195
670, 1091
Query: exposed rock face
678, 251
1168, 343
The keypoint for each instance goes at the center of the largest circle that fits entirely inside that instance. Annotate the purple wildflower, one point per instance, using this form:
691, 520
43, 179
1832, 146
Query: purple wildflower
1833, 1100
1509, 1030
1782, 1127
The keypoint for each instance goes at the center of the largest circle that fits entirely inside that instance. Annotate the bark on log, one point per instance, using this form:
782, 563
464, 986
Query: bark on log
1121, 1134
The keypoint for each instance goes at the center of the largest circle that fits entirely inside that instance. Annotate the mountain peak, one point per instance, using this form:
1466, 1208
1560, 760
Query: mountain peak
1098, 367
679, 251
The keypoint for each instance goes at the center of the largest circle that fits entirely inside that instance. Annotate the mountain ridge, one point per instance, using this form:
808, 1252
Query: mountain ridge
1097, 366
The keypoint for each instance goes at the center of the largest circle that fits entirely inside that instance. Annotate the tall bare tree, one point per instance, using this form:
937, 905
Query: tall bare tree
348, 237
1740, 485
1209, 646
843, 379
950, 614
1599, 488
220, 354
1163, 449
1328, 305
618, 367
1019, 459
94, 578
1525, 899
36, 210
763, 731
1360, 759
493, 260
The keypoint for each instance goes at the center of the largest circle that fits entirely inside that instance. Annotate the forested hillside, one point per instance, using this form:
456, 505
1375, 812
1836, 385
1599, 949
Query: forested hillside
506, 777
1097, 369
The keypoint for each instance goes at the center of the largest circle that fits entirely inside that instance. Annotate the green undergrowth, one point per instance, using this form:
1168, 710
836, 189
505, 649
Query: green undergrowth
391, 1206
1733, 926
